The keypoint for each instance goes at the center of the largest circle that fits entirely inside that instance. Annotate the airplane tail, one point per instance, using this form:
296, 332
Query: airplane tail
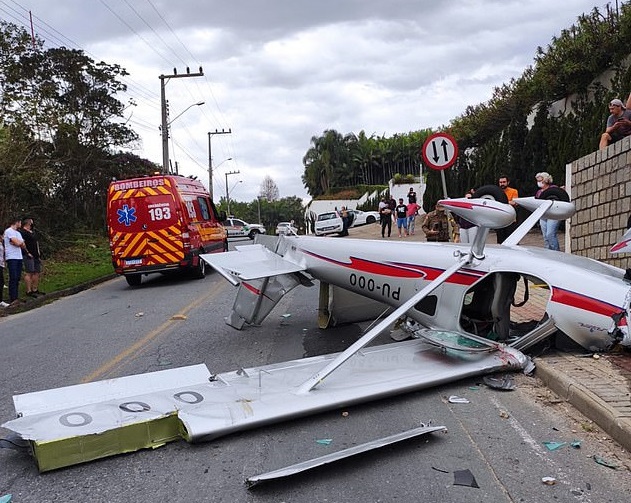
262, 275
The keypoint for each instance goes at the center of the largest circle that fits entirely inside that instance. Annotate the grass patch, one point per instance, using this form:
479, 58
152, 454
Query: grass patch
87, 259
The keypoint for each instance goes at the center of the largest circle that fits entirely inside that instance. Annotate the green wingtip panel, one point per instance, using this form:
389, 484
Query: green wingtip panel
74, 450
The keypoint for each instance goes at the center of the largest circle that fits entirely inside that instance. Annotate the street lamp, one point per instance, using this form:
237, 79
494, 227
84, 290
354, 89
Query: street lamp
227, 194
165, 133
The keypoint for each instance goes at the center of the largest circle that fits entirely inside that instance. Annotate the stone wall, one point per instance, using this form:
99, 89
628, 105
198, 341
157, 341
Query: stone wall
600, 186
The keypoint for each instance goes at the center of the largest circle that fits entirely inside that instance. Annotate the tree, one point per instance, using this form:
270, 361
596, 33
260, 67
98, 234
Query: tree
269, 189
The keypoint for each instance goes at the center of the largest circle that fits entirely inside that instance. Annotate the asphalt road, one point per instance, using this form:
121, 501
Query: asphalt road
112, 330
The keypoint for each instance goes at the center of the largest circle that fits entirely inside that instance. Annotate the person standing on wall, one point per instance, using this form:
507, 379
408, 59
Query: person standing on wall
504, 183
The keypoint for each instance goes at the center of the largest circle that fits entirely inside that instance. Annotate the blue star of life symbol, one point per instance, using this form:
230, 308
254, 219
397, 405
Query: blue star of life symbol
126, 215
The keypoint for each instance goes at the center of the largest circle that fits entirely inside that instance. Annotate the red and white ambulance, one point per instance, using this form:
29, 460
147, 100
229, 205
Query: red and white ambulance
162, 223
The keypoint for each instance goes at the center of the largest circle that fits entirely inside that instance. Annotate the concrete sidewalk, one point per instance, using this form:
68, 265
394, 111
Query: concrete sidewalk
598, 386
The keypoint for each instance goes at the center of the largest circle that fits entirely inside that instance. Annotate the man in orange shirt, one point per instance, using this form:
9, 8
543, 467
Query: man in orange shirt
504, 182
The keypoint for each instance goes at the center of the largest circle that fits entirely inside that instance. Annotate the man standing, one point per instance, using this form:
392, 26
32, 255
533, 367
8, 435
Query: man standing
511, 193
401, 211
385, 217
13, 246
32, 260
436, 225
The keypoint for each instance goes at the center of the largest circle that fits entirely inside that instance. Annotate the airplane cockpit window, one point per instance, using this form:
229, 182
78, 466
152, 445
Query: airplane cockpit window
505, 306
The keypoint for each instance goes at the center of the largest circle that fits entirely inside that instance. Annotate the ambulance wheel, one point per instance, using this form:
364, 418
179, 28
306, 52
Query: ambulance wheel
556, 194
253, 233
199, 272
491, 192
133, 279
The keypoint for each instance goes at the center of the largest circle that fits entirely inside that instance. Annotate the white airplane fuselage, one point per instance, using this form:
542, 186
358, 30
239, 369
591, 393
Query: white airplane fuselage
583, 293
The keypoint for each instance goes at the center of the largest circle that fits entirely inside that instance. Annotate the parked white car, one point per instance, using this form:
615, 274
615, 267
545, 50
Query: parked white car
237, 228
364, 217
285, 228
329, 223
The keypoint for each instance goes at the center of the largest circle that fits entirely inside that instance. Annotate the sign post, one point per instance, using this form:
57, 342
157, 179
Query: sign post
440, 152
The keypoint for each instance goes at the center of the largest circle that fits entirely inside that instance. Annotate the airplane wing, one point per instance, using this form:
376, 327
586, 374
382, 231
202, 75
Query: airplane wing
249, 262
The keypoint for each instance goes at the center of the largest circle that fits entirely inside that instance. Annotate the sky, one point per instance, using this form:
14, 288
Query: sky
277, 73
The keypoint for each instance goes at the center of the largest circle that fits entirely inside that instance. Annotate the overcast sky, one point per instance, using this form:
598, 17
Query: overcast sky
278, 72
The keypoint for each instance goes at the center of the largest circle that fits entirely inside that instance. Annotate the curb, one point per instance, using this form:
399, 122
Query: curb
594, 387
45, 299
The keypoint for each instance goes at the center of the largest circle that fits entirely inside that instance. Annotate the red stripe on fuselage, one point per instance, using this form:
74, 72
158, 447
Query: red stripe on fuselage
400, 270
579, 301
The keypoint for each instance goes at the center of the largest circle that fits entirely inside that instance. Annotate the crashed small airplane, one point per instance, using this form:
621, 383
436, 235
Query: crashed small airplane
469, 309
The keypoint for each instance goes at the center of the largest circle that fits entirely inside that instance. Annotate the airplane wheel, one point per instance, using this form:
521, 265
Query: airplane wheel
555, 193
491, 192
133, 279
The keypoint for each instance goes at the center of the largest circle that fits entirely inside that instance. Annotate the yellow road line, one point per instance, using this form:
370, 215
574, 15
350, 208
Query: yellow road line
135, 349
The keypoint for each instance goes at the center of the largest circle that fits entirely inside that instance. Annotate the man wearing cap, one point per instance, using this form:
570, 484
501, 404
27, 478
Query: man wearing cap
618, 123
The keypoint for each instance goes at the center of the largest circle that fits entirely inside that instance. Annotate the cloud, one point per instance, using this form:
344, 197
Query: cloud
282, 71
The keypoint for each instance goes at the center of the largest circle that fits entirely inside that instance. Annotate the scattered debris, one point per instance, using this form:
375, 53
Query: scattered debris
324, 441
576, 444
596, 357
179, 317
439, 470
465, 478
604, 462
504, 414
457, 399
550, 481
139, 315
505, 382
6, 498
474, 388
553, 446
343, 454
344, 414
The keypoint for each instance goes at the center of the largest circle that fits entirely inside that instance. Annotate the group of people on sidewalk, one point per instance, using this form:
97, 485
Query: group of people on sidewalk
403, 215
440, 226
19, 251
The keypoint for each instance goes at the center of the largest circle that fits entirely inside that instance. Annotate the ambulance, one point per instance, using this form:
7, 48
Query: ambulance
162, 223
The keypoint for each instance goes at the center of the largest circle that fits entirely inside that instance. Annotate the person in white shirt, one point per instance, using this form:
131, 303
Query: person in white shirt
2, 302
13, 247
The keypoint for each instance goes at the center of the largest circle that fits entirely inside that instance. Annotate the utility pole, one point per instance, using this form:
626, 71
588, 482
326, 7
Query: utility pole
227, 193
210, 158
163, 106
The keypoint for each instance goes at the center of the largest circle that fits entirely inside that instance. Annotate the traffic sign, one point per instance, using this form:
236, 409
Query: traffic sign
440, 151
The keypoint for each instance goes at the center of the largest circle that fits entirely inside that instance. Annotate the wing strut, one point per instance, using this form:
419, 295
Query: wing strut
318, 377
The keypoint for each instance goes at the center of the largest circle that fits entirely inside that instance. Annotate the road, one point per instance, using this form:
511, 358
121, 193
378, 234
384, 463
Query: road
112, 330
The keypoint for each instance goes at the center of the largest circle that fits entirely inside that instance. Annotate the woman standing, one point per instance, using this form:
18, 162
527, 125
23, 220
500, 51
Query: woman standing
549, 227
